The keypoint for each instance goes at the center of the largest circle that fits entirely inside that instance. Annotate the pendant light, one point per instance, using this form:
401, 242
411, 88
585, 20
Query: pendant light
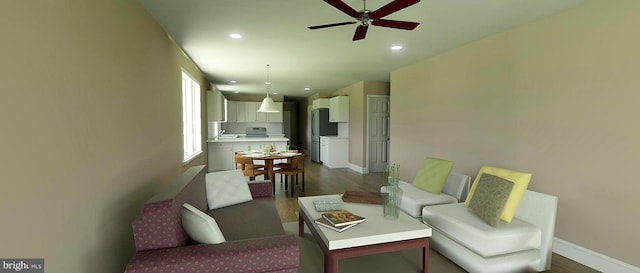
268, 106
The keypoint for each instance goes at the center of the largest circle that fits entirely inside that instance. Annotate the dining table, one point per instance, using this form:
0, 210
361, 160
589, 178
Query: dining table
268, 162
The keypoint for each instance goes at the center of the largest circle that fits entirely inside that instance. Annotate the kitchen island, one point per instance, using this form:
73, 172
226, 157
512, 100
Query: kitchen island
221, 150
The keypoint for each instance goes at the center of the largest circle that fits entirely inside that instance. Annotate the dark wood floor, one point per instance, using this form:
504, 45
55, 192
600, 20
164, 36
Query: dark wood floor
320, 180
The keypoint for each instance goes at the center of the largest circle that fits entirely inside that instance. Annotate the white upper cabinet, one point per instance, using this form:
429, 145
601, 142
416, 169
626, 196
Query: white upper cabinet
247, 111
232, 111
320, 103
275, 117
339, 109
215, 106
251, 111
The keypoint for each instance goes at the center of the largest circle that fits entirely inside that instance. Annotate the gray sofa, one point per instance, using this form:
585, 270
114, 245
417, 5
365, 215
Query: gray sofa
255, 238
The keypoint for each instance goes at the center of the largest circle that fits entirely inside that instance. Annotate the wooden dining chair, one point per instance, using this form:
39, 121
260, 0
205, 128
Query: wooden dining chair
295, 167
283, 164
249, 168
255, 165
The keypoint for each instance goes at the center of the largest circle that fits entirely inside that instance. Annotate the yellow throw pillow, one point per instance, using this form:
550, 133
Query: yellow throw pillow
520, 183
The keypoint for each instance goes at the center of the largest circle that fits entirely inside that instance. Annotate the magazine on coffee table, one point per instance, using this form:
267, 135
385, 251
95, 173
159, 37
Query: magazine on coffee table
342, 218
325, 223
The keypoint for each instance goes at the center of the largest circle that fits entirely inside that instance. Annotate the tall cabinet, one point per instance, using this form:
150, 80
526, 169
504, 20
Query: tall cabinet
215, 106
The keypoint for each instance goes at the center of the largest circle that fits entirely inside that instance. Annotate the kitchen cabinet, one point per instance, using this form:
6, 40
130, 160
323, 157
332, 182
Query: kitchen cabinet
254, 116
324, 149
275, 117
247, 111
334, 151
339, 109
220, 156
232, 111
215, 106
251, 112
241, 110
320, 103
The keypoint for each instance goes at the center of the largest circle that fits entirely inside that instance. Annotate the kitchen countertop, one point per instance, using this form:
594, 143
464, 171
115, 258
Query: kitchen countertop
249, 139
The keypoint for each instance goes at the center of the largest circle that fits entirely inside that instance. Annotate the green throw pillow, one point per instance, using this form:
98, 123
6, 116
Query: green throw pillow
490, 197
432, 175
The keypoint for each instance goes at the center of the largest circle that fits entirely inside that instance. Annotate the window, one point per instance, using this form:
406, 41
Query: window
191, 124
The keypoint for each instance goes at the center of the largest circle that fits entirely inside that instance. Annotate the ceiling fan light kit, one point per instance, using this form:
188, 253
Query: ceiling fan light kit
367, 17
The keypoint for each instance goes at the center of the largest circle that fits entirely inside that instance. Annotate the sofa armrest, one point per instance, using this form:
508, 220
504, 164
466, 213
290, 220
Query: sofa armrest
260, 188
267, 254
457, 185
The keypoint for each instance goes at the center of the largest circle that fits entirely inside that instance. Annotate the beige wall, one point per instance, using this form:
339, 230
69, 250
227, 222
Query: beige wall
358, 93
557, 98
356, 121
305, 129
376, 88
90, 111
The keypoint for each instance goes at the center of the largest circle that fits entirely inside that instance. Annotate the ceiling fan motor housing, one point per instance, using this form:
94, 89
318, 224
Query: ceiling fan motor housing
365, 20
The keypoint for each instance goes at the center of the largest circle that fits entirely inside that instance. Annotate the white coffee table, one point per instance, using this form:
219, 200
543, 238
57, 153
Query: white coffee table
376, 235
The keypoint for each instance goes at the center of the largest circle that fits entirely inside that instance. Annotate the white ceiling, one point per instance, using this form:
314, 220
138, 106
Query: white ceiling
325, 60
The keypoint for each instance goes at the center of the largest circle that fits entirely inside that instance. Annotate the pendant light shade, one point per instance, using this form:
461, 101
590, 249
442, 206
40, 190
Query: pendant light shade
268, 106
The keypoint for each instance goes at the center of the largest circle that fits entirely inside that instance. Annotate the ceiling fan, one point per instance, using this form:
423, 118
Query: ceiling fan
366, 17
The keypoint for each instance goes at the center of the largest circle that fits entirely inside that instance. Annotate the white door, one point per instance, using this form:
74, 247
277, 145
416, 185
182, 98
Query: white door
378, 131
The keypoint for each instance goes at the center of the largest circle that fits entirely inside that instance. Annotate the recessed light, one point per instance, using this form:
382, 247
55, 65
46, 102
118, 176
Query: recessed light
235, 35
307, 89
396, 47
275, 93
233, 81
267, 82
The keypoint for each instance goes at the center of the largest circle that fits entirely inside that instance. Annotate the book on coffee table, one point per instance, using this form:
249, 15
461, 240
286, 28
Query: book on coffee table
343, 218
325, 223
363, 197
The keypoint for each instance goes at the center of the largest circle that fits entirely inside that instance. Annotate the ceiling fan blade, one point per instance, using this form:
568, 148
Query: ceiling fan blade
392, 7
395, 24
361, 32
332, 25
344, 8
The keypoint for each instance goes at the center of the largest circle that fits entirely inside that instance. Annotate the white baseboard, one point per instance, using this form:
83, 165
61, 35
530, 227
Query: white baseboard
591, 258
358, 169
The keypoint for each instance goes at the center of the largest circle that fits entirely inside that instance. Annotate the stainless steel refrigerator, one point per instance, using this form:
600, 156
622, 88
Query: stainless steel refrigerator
320, 126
